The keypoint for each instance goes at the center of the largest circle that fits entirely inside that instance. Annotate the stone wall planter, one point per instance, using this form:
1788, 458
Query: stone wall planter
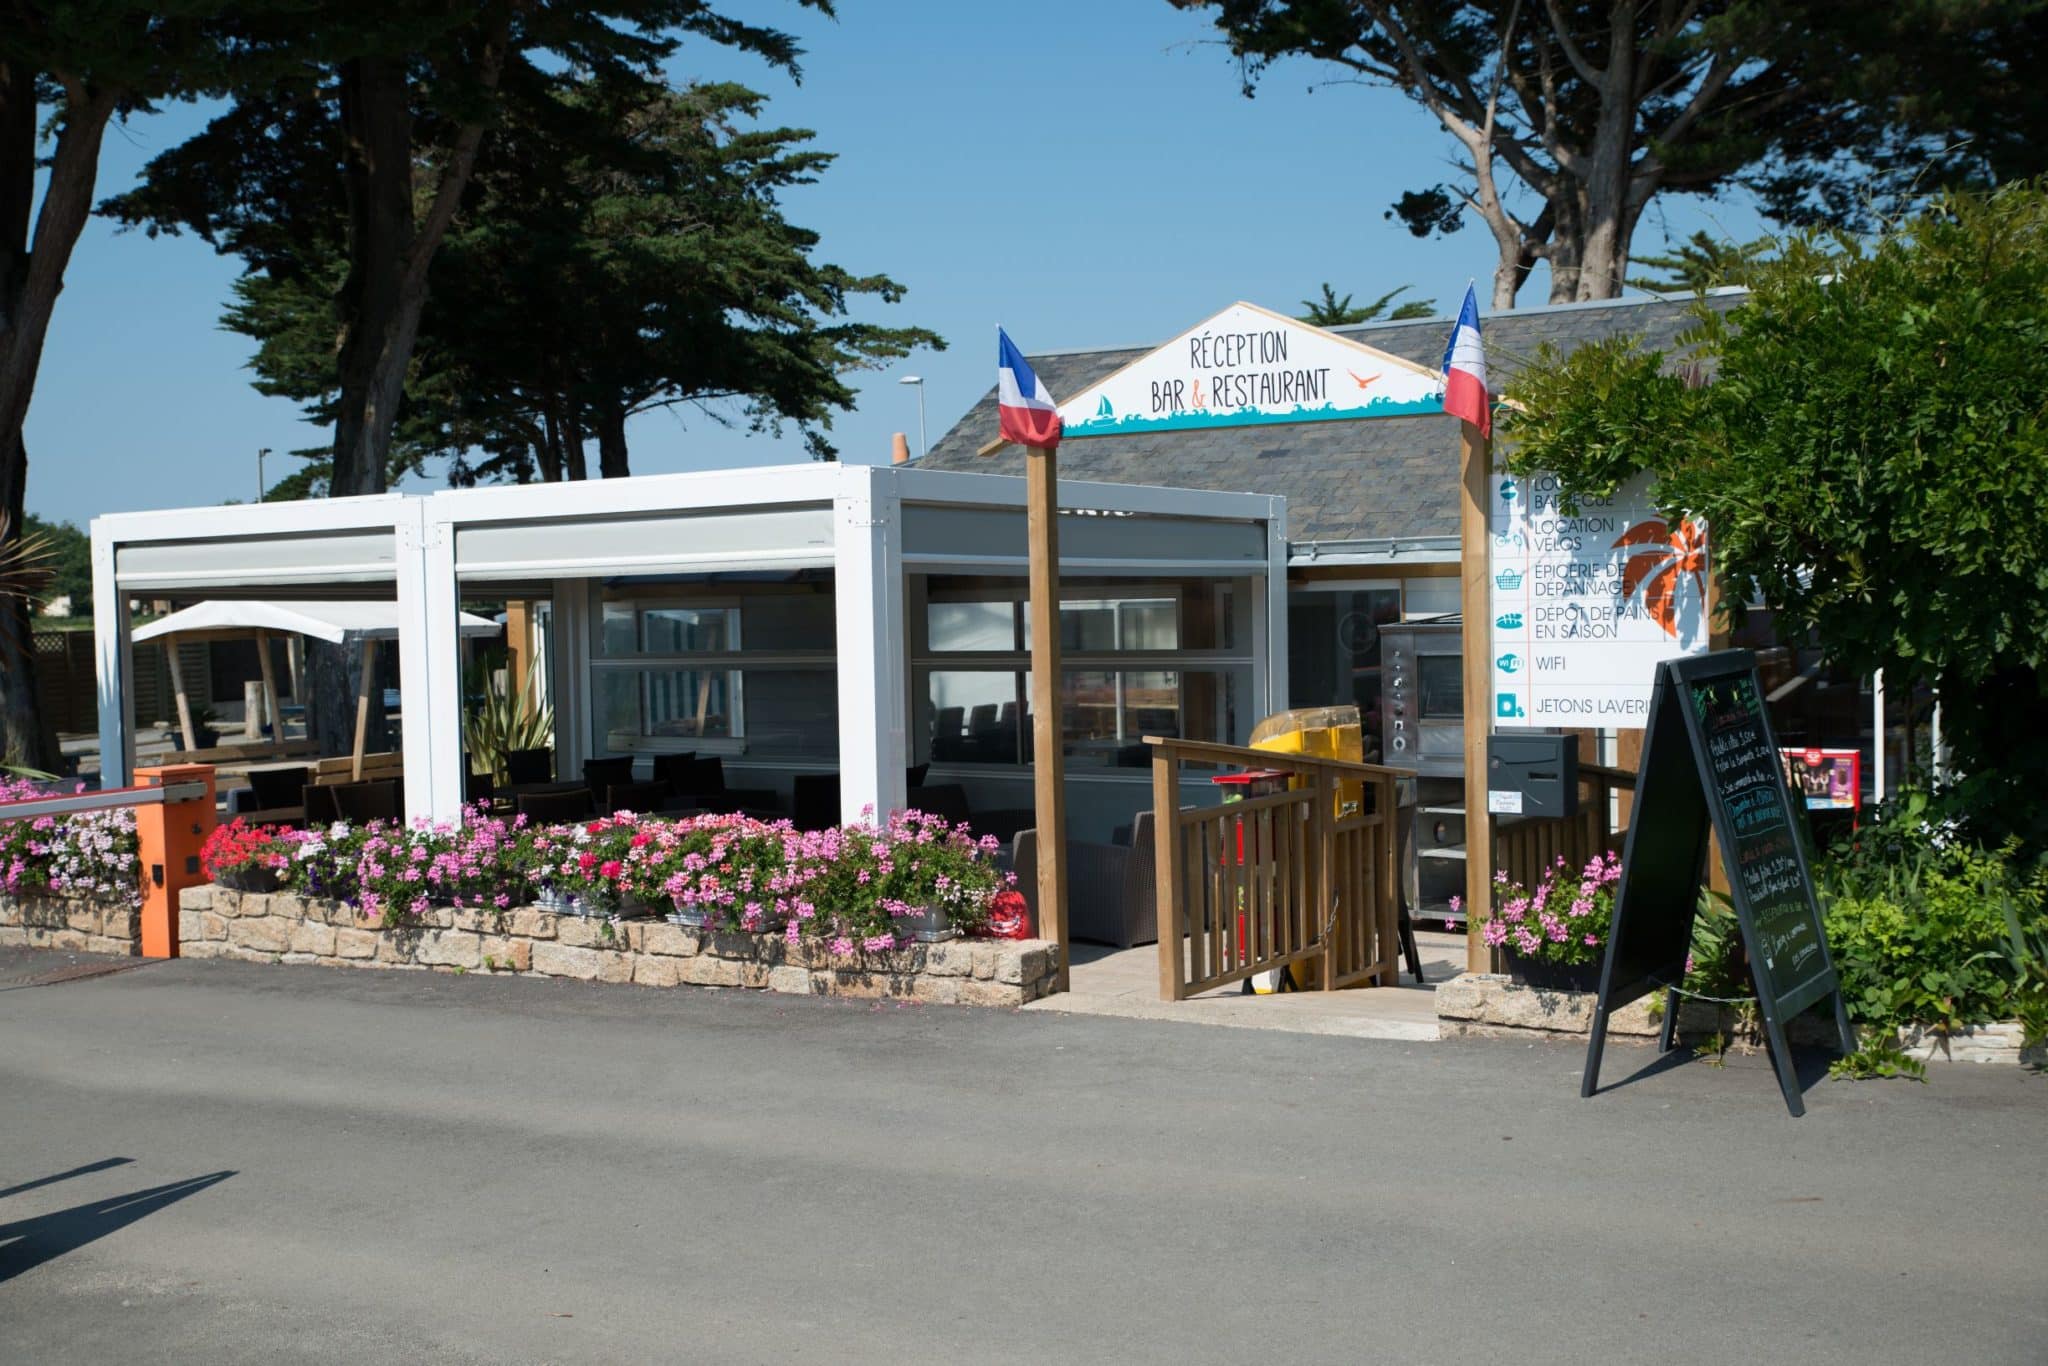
1492, 1005
219, 922
79, 924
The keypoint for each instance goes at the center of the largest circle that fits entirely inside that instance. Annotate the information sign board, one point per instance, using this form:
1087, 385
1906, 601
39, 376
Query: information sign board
1586, 603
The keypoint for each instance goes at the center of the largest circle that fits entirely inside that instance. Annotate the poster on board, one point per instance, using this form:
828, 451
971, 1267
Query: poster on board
1825, 779
1585, 604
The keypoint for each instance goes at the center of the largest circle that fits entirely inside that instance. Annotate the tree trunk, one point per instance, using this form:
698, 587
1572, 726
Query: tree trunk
31, 276
382, 298
376, 120
25, 738
572, 442
335, 678
551, 441
611, 440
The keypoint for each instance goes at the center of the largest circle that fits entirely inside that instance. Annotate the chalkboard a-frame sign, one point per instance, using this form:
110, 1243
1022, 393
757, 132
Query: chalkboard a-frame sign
1709, 758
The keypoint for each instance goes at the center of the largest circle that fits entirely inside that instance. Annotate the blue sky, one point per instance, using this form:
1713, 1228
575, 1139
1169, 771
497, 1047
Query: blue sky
1086, 174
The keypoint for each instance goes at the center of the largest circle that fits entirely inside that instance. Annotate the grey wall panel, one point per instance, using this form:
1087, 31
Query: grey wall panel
253, 561
940, 532
586, 547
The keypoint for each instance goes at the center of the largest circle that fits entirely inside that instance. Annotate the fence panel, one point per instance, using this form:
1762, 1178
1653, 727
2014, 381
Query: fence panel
1276, 880
1524, 849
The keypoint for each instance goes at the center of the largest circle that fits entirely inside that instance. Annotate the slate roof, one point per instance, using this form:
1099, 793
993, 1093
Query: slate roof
1368, 479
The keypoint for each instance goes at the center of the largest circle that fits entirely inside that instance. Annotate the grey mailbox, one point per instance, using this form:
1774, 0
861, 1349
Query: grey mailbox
1532, 776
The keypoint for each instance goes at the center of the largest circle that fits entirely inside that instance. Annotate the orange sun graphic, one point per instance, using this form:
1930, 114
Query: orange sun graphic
1658, 561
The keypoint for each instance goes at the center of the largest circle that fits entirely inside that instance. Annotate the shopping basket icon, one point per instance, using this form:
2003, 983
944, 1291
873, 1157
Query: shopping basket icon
1509, 580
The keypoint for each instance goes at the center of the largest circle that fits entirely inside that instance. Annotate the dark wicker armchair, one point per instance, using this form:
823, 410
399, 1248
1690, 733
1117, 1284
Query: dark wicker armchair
1112, 895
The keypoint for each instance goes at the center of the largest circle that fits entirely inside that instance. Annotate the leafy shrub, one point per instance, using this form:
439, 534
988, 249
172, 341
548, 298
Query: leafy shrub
1926, 928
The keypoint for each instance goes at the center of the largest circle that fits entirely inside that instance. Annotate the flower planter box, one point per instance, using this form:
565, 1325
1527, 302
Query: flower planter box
250, 879
928, 926
1548, 976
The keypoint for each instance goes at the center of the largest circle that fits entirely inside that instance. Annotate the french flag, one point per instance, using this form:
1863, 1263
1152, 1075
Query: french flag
1029, 416
1465, 370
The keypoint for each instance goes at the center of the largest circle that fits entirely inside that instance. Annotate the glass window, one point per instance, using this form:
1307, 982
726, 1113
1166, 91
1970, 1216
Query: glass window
974, 716
1441, 680
628, 628
1106, 625
621, 633
985, 716
792, 713
688, 630
972, 626
654, 704
1333, 648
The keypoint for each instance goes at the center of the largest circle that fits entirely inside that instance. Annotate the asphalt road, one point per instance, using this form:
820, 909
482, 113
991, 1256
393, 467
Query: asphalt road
219, 1162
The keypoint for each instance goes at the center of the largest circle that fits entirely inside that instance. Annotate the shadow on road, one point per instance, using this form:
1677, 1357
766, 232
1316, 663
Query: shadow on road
1810, 1065
1677, 1057
27, 1243
89, 1167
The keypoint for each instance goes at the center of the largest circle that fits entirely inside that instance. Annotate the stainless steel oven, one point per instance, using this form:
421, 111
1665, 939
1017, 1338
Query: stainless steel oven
1423, 728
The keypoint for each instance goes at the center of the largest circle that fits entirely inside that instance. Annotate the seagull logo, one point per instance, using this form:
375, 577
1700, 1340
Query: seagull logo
1362, 381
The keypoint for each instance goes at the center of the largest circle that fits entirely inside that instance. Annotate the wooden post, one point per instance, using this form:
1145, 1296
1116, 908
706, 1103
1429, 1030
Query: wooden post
252, 711
178, 687
1475, 474
1718, 637
1048, 761
1173, 930
363, 706
518, 652
270, 689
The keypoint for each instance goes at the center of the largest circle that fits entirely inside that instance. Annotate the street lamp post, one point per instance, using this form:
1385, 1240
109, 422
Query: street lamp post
261, 451
924, 447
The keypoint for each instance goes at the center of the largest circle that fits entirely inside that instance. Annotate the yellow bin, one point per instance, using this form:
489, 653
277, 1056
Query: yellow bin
1322, 733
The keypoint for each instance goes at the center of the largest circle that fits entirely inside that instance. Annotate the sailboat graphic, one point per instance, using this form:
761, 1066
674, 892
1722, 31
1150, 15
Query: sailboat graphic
1103, 409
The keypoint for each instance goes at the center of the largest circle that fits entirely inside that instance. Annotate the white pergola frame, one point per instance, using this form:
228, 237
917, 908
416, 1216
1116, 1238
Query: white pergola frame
871, 525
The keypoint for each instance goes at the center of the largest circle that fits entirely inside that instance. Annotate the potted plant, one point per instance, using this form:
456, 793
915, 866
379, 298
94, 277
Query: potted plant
1555, 934
917, 879
730, 872
247, 858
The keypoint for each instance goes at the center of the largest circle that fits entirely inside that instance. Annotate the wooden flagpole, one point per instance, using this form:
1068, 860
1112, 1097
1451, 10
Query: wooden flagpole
1048, 757
1475, 474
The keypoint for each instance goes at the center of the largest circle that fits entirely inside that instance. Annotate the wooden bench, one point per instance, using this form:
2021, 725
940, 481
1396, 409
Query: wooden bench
387, 764
255, 752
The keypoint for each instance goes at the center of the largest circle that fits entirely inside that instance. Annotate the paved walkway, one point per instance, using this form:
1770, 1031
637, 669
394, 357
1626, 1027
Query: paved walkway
1125, 983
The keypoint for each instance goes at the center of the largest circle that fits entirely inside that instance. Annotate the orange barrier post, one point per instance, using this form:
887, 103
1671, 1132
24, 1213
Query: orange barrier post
171, 835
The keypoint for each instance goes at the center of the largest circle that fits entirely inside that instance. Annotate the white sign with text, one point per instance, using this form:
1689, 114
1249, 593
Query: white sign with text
1249, 366
1586, 603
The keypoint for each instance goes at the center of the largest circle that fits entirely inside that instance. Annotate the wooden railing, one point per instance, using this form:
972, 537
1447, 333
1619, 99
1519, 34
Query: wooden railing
1299, 877
1524, 849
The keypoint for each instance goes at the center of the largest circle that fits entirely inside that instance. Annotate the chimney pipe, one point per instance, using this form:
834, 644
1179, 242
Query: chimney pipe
899, 449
